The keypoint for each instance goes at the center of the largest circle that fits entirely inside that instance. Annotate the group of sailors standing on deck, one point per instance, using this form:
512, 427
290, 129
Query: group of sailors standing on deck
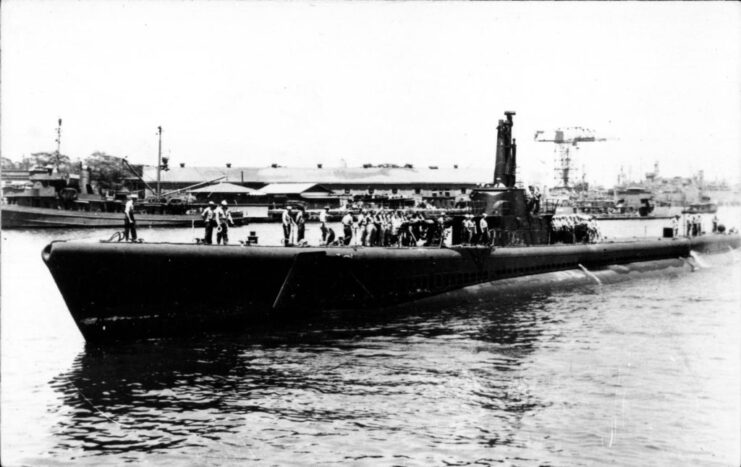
389, 228
693, 225
294, 226
575, 228
217, 217
475, 230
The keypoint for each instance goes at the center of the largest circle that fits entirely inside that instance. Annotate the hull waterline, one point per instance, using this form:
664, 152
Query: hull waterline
126, 291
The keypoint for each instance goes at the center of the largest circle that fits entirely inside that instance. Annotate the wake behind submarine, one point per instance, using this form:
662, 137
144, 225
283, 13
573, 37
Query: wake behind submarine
122, 291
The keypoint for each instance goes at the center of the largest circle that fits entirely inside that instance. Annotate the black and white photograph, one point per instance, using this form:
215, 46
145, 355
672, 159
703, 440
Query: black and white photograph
370, 233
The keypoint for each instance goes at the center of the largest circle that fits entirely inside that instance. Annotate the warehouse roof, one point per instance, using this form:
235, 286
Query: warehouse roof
225, 188
292, 188
329, 175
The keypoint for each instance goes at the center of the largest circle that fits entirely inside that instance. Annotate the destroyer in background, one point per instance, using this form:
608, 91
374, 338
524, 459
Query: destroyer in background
124, 291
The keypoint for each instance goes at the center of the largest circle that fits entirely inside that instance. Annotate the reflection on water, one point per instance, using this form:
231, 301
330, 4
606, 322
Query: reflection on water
575, 376
641, 372
154, 396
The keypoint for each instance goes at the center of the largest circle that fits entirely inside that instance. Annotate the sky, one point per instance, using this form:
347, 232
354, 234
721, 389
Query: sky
339, 83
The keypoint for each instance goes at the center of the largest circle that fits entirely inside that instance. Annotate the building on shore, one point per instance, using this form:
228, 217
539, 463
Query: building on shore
386, 185
308, 195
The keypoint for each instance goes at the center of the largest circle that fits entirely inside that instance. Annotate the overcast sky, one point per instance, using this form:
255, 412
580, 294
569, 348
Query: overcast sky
425, 83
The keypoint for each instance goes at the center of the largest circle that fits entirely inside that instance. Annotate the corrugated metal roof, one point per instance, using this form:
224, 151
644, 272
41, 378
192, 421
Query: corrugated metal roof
224, 188
292, 188
329, 175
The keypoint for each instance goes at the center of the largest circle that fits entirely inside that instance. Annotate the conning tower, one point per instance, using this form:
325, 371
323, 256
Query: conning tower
514, 215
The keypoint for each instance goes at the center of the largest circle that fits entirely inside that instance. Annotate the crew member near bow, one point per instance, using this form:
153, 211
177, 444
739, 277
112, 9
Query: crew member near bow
223, 220
129, 221
209, 221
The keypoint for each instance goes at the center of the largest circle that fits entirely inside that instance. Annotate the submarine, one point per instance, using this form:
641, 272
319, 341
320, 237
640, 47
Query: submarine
124, 291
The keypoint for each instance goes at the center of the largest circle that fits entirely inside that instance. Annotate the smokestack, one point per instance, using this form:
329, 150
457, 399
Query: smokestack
85, 179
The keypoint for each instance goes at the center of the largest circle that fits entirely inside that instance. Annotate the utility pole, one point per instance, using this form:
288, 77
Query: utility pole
159, 162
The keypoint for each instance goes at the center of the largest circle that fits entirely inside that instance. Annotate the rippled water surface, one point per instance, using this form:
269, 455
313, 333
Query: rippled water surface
640, 372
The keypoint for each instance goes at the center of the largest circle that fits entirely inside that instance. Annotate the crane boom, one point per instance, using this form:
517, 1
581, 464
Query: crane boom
564, 139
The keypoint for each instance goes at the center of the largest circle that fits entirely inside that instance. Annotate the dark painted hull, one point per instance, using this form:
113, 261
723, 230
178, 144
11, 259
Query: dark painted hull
23, 217
123, 291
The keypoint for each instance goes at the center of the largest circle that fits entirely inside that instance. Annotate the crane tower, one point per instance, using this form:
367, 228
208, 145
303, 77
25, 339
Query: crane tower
566, 140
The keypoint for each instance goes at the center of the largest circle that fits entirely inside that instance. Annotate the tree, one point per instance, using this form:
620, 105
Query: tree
108, 170
9, 164
44, 159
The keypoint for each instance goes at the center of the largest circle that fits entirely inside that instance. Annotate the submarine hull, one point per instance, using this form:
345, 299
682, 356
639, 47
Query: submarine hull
121, 291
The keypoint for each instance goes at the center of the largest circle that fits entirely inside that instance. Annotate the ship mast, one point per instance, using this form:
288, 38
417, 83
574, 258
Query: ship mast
59, 143
159, 161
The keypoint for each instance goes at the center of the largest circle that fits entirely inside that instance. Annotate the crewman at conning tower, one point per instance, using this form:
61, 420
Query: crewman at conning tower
484, 229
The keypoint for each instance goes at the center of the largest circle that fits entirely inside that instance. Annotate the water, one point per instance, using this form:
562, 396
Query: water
643, 372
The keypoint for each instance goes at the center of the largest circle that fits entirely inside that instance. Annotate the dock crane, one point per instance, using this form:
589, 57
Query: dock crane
566, 139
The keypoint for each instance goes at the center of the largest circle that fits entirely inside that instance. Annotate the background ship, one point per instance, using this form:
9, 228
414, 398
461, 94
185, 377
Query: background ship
49, 198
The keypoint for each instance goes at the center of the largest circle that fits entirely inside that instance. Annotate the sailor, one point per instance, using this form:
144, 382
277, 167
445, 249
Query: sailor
386, 225
286, 220
369, 233
594, 233
330, 238
209, 221
323, 224
223, 220
484, 228
396, 223
536, 204
476, 237
470, 229
688, 226
715, 224
300, 227
417, 221
675, 226
441, 228
529, 193
347, 227
699, 224
362, 219
129, 221
382, 227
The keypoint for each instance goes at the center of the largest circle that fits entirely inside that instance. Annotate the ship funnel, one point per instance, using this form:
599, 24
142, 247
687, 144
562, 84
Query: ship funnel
505, 164
85, 179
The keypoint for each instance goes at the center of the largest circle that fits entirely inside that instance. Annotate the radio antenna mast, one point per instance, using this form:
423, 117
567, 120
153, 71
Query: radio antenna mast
159, 162
59, 142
